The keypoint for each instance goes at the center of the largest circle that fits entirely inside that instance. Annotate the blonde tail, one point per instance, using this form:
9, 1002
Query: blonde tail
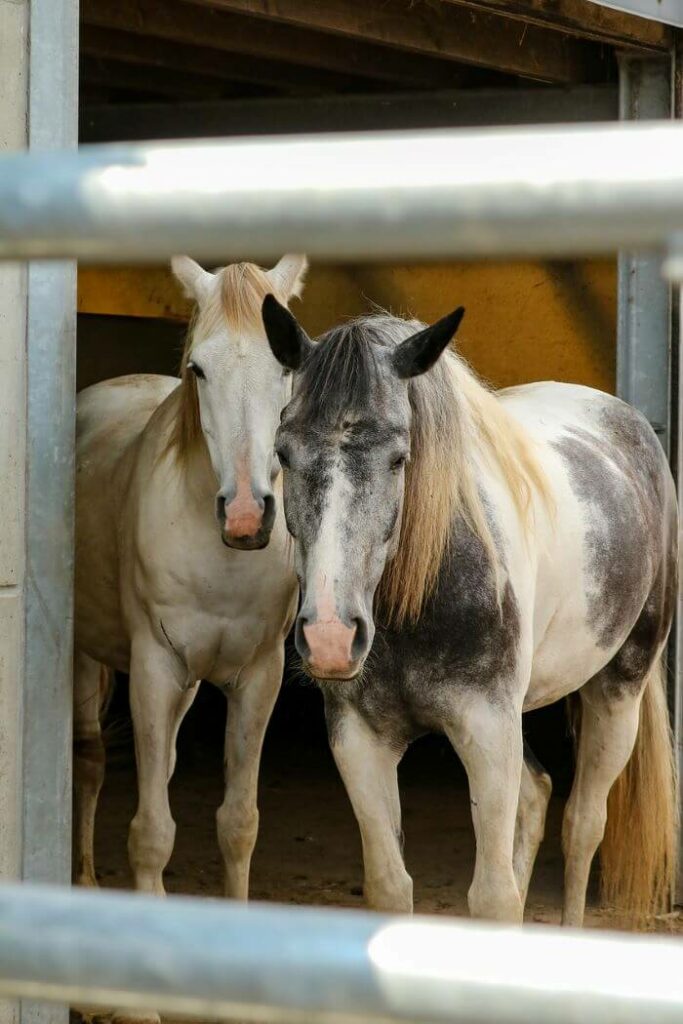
638, 851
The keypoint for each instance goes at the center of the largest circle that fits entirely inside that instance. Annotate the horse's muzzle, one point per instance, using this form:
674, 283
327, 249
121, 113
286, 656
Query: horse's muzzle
246, 523
331, 650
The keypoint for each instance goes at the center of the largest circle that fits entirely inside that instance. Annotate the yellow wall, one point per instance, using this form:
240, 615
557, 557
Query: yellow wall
525, 321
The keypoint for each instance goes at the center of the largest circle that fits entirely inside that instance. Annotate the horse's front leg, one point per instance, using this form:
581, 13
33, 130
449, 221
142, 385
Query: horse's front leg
160, 694
249, 710
368, 766
488, 739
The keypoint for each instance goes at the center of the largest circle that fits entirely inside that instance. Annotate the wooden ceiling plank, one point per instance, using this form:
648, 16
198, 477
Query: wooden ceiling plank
395, 111
179, 22
153, 80
236, 67
441, 30
583, 19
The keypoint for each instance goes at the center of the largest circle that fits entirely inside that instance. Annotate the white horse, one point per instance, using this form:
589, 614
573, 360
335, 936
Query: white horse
183, 569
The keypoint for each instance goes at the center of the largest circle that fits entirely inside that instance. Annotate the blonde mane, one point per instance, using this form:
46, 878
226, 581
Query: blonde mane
456, 422
236, 304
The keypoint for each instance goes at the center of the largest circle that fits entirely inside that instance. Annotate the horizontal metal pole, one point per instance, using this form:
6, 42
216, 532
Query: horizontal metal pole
268, 963
527, 192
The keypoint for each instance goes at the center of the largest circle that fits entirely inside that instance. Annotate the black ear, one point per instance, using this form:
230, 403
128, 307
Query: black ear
418, 353
288, 340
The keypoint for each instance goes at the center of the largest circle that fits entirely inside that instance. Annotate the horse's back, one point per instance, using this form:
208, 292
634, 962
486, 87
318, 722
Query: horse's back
601, 441
612, 556
111, 418
122, 405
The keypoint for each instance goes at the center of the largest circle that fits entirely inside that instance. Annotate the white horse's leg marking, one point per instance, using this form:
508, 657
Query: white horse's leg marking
159, 696
608, 734
249, 710
91, 681
488, 740
534, 796
368, 768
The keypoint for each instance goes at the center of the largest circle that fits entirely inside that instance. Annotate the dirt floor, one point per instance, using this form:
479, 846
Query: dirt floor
308, 850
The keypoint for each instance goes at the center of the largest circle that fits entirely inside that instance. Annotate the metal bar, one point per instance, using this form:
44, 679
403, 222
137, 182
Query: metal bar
50, 427
224, 960
644, 301
419, 194
667, 11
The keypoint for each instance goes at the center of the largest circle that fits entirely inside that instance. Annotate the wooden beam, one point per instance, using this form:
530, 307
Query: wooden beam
466, 108
274, 74
150, 80
446, 31
583, 19
180, 22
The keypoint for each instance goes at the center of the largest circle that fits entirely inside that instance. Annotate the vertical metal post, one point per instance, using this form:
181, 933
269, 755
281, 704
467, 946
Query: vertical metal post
50, 423
647, 365
644, 302
677, 438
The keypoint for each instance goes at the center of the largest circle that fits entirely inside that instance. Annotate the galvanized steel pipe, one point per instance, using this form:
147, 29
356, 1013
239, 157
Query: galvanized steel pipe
218, 959
542, 191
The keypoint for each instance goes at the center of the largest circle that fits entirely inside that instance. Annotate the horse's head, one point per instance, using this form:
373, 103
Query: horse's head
234, 390
344, 441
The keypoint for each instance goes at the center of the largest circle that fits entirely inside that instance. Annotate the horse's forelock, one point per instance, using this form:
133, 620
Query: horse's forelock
343, 372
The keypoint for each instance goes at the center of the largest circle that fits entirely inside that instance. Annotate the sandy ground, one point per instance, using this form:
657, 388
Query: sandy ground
308, 850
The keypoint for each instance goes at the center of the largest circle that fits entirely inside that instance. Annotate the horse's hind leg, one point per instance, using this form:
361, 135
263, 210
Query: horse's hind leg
609, 725
534, 796
92, 682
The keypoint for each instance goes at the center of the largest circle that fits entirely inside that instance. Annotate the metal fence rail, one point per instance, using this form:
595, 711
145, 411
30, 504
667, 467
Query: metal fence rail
268, 963
420, 194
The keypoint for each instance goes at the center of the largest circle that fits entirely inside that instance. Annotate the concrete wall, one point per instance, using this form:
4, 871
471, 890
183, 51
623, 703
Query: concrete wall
13, 135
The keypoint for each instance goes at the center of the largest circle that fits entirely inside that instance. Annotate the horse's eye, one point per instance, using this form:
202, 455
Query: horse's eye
399, 461
197, 370
282, 456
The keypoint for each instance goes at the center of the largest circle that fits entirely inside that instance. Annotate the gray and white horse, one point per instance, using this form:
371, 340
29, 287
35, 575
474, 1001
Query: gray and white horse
502, 551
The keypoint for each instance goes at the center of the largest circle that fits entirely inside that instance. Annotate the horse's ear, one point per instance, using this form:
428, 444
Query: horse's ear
420, 351
288, 340
195, 280
287, 276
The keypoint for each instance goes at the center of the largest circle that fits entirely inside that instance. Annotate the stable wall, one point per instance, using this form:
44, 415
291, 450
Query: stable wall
525, 321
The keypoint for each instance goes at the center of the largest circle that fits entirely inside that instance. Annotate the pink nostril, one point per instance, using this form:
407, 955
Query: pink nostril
330, 644
243, 517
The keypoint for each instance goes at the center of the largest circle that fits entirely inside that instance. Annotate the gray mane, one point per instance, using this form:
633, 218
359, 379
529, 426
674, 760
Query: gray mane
342, 372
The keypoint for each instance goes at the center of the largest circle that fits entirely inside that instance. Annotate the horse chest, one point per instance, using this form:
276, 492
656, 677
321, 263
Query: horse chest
213, 647
218, 616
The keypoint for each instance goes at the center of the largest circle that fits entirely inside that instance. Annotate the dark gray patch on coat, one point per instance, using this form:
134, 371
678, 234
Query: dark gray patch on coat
632, 663
619, 476
464, 639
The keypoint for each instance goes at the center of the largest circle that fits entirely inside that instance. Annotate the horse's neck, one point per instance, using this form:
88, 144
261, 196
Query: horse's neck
194, 476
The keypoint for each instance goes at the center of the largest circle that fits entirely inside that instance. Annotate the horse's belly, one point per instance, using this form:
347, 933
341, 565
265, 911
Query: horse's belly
99, 629
566, 659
